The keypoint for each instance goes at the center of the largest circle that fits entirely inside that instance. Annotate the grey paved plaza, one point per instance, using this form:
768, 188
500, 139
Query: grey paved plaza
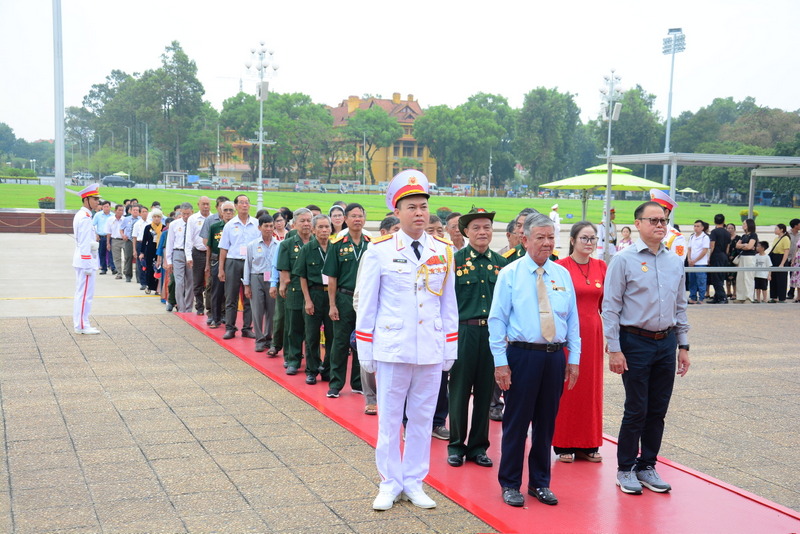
152, 427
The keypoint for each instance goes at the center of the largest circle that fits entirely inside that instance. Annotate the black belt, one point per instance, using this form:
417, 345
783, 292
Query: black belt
346, 291
235, 259
544, 347
317, 287
475, 322
646, 333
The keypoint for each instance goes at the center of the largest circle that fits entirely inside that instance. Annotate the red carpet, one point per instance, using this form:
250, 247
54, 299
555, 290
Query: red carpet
589, 501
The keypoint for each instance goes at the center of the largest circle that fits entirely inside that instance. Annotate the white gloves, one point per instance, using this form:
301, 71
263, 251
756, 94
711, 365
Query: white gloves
94, 246
368, 365
447, 365
88, 272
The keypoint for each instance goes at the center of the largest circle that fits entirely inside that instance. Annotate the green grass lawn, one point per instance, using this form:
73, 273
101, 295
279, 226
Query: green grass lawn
25, 196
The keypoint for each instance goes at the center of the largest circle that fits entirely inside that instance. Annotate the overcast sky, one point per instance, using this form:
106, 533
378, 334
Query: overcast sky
440, 51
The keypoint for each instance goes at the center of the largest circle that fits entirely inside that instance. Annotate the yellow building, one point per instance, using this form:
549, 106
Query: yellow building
231, 163
386, 162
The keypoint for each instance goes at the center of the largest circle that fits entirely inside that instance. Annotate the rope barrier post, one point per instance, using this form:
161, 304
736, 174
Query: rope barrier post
43, 230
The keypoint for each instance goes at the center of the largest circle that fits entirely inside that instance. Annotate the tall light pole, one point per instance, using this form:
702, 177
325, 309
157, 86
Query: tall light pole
263, 61
611, 113
676, 42
58, 97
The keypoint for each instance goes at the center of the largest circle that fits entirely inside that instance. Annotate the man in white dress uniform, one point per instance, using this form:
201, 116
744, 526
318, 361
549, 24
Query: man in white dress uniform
85, 260
407, 333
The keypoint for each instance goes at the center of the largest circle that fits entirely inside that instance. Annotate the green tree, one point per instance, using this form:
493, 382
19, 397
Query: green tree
763, 127
7, 139
638, 130
545, 133
379, 128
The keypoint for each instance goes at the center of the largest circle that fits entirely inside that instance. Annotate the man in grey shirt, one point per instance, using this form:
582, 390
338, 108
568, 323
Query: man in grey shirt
644, 317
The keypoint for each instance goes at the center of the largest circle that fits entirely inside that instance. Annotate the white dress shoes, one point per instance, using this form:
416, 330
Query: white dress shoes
384, 501
419, 499
88, 330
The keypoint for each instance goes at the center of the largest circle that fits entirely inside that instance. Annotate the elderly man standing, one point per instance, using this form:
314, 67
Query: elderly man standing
198, 252
236, 234
85, 260
407, 333
179, 258
644, 318
290, 289
472, 376
534, 316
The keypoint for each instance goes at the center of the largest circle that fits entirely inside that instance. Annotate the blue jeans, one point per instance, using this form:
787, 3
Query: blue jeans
697, 286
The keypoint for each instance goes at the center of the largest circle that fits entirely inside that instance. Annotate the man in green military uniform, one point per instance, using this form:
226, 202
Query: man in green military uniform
477, 267
315, 294
289, 289
341, 267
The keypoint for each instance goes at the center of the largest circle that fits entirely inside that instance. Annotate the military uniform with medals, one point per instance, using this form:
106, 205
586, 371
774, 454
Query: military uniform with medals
473, 373
294, 324
309, 266
342, 263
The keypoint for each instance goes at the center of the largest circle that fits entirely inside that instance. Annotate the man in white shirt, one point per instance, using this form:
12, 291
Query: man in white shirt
115, 242
196, 222
697, 256
179, 259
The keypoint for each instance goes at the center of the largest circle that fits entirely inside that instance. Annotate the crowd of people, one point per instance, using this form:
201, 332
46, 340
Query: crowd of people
428, 317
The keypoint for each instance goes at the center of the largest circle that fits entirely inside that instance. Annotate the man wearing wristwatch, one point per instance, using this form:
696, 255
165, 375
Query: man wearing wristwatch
644, 317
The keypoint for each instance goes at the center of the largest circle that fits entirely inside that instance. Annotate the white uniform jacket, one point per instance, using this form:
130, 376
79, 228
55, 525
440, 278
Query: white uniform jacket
407, 310
675, 242
86, 246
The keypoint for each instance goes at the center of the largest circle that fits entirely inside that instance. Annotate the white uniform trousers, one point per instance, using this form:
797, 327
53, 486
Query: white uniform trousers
84, 293
184, 281
395, 382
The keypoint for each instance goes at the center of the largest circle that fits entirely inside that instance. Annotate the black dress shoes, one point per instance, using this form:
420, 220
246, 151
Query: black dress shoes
229, 334
543, 495
311, 380
513, 497
482, 460
455, 460
248, 334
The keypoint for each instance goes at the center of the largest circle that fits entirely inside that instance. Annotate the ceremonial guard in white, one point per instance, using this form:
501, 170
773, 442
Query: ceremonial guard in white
407, 332
674, 240
85, 260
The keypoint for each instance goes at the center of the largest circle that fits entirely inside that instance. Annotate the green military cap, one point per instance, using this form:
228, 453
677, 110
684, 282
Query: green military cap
474, 213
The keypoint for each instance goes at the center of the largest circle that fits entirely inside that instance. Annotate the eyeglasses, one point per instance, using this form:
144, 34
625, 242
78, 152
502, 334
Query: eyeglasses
655, 221
586, 239
228, 209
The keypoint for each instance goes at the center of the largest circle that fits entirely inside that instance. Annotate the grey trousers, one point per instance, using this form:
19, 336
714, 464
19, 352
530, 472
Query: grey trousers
116, 252
234, 270
263, 308
127, 262
184, 281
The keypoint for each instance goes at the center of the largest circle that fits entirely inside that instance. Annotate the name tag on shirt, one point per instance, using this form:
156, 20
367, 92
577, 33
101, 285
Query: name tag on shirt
243, 251
400, 260
266, 277
325, 279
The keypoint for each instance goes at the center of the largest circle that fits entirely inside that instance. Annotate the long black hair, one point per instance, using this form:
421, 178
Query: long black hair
576, 229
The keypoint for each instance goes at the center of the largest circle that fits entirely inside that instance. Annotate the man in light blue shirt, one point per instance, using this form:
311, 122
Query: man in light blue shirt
127, 235
100, 223
533, 317
257, 275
